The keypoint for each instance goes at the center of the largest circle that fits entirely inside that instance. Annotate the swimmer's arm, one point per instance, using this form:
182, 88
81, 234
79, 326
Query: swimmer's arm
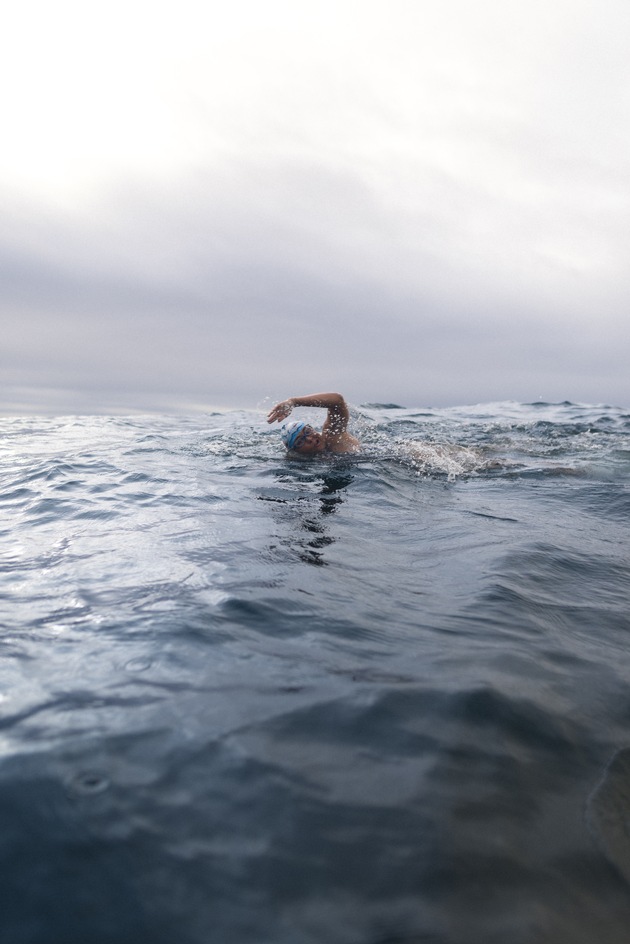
338, 413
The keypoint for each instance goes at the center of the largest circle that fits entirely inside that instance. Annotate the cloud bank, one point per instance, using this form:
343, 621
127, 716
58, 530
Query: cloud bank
409, 204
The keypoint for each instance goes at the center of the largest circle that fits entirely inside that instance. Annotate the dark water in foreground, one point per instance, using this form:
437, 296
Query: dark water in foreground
379, 700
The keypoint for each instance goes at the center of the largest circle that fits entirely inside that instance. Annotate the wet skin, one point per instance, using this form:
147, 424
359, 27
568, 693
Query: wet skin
334, 436
309, 442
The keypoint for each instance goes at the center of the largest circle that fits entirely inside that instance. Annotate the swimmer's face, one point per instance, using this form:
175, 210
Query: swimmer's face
309, 442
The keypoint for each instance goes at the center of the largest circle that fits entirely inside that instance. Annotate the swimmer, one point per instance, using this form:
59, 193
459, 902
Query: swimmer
302, 439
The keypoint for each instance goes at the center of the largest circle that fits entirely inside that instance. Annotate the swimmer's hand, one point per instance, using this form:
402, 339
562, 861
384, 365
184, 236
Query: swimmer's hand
280, 411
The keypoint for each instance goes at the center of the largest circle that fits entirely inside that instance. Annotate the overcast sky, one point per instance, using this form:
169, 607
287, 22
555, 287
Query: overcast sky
210, 203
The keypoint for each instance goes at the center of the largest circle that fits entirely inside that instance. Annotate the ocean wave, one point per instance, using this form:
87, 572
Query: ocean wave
358, 699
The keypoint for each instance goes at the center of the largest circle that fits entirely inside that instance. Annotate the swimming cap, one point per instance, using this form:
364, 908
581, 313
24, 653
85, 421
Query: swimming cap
291, 432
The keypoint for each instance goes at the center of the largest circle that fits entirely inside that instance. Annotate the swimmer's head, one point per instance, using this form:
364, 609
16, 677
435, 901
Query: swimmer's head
291, 433
302, 438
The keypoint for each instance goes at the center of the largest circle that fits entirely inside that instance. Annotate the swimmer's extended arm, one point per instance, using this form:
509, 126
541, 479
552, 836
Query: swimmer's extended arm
338, 413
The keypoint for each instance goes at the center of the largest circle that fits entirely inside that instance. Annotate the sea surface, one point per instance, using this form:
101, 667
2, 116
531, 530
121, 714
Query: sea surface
373, 699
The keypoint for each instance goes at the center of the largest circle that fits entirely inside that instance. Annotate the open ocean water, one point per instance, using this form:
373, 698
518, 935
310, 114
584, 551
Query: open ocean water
381, 699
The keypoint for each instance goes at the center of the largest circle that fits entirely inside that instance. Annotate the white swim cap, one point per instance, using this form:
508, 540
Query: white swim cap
291, 432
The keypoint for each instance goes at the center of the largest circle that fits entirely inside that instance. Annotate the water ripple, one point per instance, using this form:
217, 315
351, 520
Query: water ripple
364, 699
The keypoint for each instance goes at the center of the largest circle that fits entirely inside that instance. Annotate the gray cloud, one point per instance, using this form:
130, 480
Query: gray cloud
431, 229
254, 306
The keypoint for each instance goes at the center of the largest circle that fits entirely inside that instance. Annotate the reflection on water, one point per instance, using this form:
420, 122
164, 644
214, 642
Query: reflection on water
304, 509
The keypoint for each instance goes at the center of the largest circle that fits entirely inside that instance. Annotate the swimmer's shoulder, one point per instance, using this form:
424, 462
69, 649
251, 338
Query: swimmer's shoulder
342, 443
